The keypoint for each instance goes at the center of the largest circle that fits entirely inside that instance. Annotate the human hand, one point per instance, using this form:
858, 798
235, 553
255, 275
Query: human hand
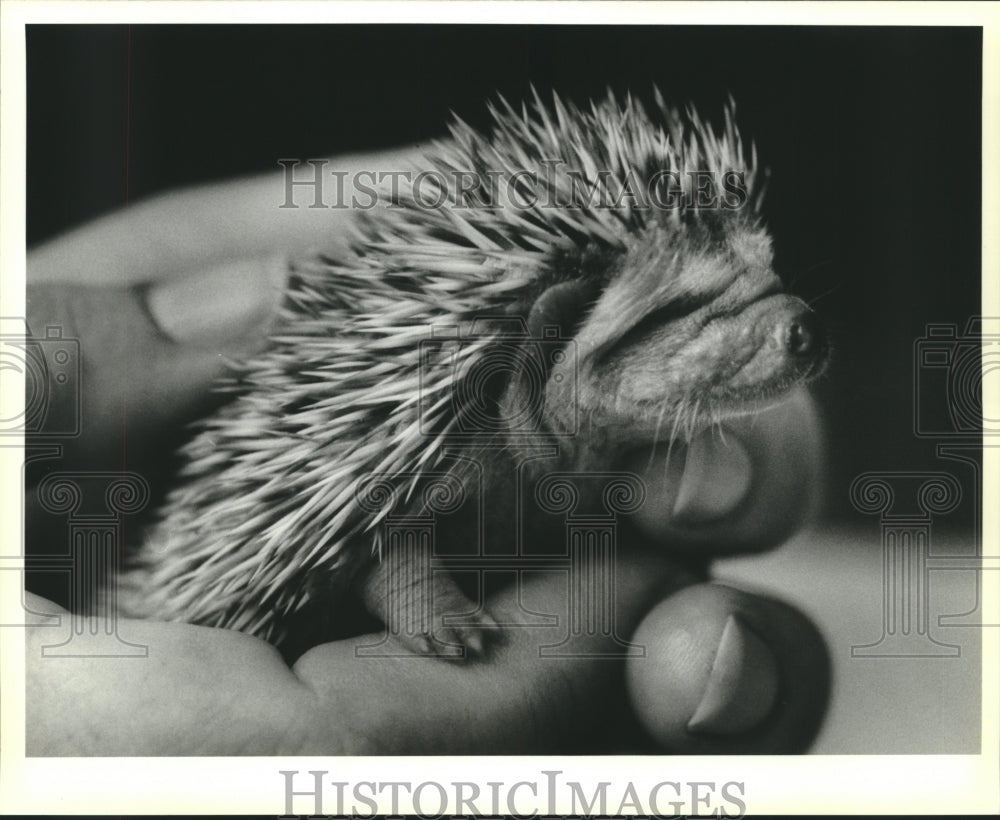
158, 296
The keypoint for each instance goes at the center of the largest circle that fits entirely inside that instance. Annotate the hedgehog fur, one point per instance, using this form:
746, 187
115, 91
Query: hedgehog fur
266, 501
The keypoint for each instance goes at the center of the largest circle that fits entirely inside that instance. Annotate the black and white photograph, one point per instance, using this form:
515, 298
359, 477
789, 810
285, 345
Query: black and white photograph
488, 408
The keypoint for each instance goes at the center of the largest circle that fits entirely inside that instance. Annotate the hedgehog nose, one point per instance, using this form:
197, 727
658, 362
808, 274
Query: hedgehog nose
805, 335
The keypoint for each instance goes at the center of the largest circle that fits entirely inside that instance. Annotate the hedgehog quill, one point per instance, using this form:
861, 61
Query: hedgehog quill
675, 317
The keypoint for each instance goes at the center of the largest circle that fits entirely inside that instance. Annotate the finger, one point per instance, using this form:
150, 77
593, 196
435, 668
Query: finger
728, 672
515, 700
213, 691
148, 355
181, 232
521, 700
746, 489
198, 691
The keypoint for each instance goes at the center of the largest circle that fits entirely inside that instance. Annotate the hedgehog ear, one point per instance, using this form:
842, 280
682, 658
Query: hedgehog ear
562, 306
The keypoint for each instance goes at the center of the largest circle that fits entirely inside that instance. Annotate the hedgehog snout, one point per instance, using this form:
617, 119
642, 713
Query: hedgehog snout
744, 360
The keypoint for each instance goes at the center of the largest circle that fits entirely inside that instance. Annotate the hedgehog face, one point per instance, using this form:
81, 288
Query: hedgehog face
691, 329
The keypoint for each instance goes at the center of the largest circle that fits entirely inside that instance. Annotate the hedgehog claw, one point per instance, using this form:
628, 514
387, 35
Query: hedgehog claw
399, 598
423, 643
450, 644
474, 643
459, 642
453, 643
476, 634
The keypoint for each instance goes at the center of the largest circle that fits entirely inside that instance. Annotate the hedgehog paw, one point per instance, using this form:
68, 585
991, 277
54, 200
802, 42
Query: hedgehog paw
427, 613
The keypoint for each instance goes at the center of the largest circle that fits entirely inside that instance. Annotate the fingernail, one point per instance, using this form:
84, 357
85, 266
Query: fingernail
742, 686
233, 302
715, 480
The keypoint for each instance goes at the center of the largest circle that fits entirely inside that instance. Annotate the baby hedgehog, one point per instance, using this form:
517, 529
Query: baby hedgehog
626, 245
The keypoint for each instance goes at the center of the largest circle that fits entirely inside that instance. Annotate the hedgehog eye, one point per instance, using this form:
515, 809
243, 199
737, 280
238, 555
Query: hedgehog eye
650, 323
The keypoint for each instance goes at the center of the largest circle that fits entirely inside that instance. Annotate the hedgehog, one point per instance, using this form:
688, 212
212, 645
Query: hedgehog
626, 235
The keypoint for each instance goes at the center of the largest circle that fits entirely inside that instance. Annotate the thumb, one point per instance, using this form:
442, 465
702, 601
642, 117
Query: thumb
145, 356
742, 488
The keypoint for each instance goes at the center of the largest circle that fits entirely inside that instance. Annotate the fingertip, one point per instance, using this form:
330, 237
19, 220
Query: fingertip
228, 306
125, 379
743, 488
728, 672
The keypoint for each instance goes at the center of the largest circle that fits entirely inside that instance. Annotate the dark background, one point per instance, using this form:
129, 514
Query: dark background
872, 136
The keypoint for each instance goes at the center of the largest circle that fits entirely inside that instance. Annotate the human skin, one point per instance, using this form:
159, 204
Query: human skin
159, 295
